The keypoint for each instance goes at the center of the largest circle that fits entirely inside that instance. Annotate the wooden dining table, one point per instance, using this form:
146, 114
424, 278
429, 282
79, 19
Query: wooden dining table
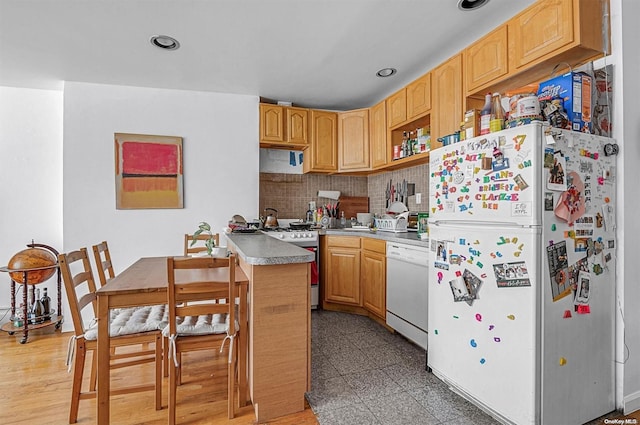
145, 282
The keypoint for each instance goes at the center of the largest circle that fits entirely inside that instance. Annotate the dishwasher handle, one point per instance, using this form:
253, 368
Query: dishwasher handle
408, 254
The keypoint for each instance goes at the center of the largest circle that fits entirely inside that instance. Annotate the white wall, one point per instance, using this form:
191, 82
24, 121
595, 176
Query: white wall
30, 175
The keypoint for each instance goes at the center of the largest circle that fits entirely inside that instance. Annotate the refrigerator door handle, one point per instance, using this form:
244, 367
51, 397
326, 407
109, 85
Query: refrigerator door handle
475, 223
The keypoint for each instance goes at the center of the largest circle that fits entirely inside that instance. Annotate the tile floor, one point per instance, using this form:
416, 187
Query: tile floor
363, 374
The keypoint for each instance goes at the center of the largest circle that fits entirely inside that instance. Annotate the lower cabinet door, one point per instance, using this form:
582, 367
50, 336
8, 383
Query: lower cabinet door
373, 276
343, 280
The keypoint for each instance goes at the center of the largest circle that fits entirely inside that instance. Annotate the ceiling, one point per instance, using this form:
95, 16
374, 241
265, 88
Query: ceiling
314, 53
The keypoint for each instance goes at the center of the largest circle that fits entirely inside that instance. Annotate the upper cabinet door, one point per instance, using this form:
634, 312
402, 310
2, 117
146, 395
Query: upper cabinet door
419, 97
271, 123
353, 140
397, 108
486, 60
322, 155
543, 28
297, 126
380, 151
447, 99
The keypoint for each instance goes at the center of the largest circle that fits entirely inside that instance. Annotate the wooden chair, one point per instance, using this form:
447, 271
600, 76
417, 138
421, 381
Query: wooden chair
103, 262
102, 258
130, 328
198, 320
198, 247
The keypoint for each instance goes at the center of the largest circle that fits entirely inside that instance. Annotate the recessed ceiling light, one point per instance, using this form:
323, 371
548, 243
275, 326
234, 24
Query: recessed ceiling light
164, 42
386, 72
471, 4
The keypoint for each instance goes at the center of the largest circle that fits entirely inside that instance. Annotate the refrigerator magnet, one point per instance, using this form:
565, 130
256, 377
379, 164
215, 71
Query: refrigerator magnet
522, 184
571, 204
558, 266
556, 179
548, 201
511, 275
548, 157
583, 289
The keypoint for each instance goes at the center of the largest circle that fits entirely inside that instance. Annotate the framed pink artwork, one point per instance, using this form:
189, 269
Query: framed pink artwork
148, 171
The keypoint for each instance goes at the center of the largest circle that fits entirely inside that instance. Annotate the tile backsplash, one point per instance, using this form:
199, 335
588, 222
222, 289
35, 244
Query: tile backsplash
377, 184
290, 194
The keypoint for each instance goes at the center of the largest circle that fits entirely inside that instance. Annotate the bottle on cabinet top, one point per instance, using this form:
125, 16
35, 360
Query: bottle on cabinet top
485, 115
497, 114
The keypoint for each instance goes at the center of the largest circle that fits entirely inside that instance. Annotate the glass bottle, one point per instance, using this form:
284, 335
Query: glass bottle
497, 114
485, 115
37, 309
343, 220
46, 305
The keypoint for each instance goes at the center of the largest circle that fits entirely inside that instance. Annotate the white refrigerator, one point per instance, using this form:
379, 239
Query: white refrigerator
522, 273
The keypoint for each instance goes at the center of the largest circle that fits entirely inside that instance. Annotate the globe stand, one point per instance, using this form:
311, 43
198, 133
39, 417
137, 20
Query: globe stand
55, 320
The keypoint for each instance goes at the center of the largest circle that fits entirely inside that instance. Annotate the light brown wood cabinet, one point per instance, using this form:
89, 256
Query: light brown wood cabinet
409, 103
448, 109
373, 274
419, 97
297, 126
322, 154
550, 28
342, 270
486, 60
354, 274
397, 108
271, 123
283, 127
379, 149
353, 140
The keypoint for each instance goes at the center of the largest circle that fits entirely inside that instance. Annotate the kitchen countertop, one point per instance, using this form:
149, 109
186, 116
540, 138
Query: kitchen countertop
409, 238
260, 249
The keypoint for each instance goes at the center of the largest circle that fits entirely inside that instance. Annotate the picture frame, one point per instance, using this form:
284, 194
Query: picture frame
148, 171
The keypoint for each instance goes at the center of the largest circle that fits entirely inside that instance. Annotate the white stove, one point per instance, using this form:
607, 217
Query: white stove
303, 238
297, 237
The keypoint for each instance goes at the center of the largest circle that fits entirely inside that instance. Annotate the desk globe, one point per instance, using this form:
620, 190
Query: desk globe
32, 258
32, 266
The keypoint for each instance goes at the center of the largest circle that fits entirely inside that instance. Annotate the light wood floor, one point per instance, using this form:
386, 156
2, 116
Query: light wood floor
36, 388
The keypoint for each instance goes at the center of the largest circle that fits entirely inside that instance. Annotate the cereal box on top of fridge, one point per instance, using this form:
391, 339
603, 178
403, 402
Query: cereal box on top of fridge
565, 101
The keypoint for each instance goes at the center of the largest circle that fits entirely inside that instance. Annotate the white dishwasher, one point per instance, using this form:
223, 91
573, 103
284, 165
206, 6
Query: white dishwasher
407, 291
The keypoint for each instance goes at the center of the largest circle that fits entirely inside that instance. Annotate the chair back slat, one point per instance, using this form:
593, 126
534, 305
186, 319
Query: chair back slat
102, 257
79, 285
199, 245
201, 309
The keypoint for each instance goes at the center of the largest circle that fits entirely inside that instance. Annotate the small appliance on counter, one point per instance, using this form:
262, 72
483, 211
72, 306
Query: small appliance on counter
412, 221
417, 222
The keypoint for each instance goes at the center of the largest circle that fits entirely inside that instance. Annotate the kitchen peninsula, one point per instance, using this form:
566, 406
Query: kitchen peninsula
279, 322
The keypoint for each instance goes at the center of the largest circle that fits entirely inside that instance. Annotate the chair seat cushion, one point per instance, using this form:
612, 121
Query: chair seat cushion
128, 321
206, 324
